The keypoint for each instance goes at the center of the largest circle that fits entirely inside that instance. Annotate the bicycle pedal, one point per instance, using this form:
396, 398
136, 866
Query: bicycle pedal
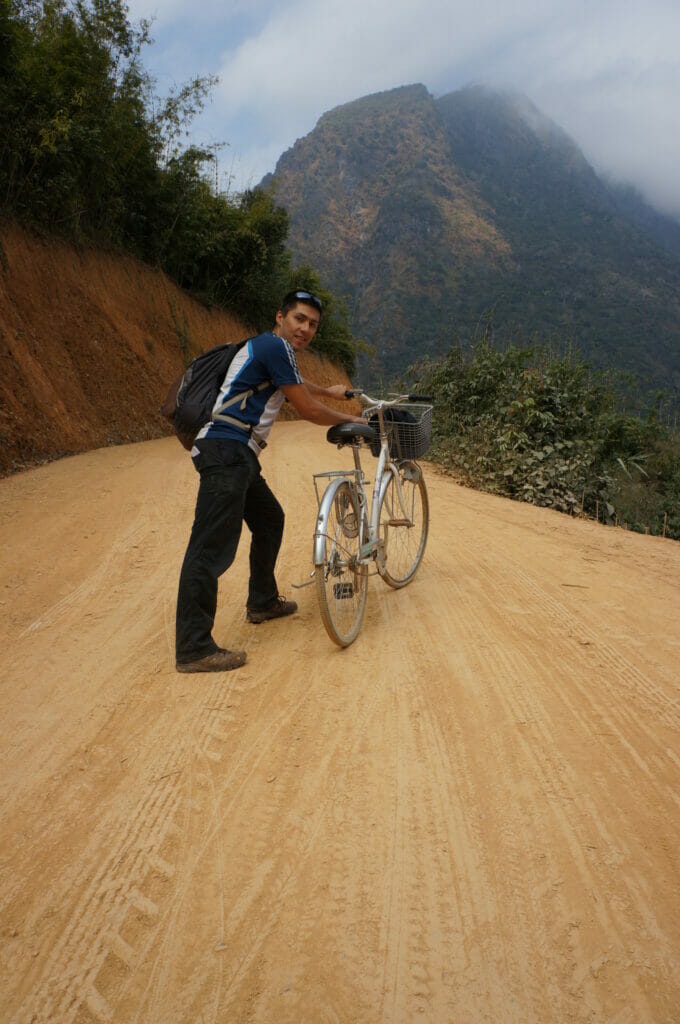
343, 591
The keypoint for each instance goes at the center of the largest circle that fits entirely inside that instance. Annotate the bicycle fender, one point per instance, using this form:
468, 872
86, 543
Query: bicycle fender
410, 471
324, 509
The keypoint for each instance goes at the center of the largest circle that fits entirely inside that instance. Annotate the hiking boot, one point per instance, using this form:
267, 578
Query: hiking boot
219, 661
276, 609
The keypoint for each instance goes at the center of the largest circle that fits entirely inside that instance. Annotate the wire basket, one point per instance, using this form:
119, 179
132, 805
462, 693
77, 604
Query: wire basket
409, 430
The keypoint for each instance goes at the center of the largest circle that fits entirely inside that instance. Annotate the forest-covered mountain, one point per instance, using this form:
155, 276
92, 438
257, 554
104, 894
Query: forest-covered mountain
433, 215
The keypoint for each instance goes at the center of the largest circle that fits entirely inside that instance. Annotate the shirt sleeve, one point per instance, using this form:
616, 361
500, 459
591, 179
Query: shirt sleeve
278, 358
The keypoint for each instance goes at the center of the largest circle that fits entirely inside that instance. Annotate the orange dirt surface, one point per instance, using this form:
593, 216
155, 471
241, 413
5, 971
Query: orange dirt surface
469, 815
89, 343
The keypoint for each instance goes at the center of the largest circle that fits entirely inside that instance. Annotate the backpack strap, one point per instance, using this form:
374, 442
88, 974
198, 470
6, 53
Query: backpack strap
240, 398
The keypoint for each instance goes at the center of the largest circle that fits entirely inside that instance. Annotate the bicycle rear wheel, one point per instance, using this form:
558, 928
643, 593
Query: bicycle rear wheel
404, 536
341, 583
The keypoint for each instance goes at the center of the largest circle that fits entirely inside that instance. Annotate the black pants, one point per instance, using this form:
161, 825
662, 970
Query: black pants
231, 491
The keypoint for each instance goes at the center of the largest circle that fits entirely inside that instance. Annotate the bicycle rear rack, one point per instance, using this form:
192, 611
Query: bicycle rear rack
358, 475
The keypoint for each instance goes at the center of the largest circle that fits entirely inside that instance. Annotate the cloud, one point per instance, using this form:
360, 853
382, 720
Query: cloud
627, 126
606, 71
161, 11
311, 55
612, 84
211, 12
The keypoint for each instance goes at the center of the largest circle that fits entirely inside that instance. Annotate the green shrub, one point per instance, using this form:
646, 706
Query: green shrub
550, 431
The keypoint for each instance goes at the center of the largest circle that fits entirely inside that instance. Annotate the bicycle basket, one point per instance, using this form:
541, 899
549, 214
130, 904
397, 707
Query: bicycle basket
409, 429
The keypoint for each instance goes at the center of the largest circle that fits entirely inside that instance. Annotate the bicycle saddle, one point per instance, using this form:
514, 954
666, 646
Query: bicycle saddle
348, 433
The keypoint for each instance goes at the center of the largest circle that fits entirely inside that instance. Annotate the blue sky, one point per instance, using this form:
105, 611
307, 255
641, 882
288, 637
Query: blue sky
607, 71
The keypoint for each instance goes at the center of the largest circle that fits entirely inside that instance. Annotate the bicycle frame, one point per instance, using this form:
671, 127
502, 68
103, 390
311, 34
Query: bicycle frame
370, 543
349, 535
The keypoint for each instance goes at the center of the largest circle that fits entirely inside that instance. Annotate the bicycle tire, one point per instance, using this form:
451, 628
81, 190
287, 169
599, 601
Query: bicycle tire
341, 584
404, 540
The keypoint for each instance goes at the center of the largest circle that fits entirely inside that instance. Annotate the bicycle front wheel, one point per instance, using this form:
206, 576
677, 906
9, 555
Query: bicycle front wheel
403, 529
341, 582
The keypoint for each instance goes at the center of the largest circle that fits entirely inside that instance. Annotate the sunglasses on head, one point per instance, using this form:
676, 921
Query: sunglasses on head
304, 297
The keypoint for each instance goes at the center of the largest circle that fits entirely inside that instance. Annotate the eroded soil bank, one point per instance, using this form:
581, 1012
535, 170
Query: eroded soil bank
89, 342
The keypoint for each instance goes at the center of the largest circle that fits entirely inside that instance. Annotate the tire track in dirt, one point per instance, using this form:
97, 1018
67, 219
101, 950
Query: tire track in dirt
231, 786
512, 666
582, 653
276, 876
279, 873
105, 898
392, 939
199, 745
101, 916
109, 889
97, 582
573, 820
453, 891
644, 721
639, 684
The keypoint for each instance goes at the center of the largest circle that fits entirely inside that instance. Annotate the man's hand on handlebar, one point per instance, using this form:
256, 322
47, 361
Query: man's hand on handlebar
338, 392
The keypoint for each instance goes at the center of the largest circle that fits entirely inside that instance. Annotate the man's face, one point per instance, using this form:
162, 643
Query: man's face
298, 326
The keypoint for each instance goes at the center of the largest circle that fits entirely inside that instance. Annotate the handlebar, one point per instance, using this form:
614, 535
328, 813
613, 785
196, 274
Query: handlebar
382, 402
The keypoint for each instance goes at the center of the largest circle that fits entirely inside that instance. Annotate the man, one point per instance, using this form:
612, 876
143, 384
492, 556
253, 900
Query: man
261, 375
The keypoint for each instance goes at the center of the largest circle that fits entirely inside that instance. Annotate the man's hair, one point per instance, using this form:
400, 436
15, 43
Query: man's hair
300, 295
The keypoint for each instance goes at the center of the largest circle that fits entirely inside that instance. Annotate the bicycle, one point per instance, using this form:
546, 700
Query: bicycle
349, 537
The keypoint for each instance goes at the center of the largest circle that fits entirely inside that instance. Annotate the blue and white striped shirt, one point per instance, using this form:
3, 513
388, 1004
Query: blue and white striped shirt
264, 360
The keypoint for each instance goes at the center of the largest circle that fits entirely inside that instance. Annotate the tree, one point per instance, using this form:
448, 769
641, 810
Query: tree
88, 151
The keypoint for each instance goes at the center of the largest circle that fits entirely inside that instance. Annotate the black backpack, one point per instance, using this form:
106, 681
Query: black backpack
401, 433
191, 398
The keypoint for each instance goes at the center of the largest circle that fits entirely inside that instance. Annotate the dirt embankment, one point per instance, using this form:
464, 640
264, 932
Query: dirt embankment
89, 342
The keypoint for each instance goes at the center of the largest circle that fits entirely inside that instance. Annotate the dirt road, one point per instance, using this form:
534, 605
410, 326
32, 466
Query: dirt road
470, 815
